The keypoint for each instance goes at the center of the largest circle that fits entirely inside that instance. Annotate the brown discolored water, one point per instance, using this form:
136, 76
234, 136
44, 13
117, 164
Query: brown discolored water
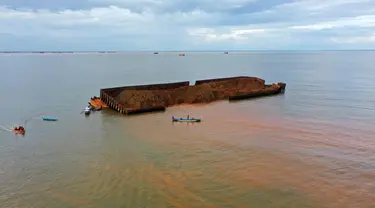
310, 147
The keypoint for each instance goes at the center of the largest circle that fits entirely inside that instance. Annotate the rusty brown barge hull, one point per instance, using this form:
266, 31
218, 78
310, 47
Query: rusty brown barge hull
157, 97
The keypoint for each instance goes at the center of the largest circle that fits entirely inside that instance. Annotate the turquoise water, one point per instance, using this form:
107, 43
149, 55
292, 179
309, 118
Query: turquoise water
310, 147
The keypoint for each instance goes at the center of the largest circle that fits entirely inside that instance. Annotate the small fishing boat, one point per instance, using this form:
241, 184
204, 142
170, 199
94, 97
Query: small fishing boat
19, 130
49, 119
186, 119
87, 111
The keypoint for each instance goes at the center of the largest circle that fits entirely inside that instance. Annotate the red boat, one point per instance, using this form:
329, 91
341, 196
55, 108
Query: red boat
19, 130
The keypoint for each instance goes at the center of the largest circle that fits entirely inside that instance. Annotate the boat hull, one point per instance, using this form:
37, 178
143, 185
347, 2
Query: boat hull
49, 119
19, 131
186, 119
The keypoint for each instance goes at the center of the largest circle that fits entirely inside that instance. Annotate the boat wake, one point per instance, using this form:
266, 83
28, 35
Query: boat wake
5, 128
25, 121
37, 116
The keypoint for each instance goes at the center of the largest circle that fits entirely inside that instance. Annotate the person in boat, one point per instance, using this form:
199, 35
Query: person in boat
19, 128
188, 117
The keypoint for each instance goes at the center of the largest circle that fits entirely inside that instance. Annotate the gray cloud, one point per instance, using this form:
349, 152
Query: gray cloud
47, 4
189, 23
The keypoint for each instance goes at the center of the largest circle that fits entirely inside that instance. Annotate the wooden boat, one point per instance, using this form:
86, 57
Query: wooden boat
186, 119
49, 119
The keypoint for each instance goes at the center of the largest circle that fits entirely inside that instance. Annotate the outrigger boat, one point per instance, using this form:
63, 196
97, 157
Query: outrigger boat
186, 119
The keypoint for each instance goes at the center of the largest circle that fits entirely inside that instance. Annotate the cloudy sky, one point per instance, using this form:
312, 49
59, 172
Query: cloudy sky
131, 25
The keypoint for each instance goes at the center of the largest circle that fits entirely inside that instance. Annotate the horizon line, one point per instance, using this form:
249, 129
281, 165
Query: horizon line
157, 51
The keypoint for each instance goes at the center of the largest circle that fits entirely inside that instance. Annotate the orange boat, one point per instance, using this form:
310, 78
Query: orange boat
19, 130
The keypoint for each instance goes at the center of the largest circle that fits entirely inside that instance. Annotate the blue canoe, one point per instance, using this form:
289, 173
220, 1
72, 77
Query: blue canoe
49, 119
186, 119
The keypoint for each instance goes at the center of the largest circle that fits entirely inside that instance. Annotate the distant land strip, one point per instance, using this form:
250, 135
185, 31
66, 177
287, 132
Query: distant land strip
190, 51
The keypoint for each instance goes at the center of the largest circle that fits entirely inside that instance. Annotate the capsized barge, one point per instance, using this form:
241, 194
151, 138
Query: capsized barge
156, 97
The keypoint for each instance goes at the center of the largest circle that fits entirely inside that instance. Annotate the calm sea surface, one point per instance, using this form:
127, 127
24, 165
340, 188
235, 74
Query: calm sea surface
313, 146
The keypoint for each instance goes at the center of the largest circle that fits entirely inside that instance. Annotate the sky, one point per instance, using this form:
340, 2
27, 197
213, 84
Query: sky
146, 25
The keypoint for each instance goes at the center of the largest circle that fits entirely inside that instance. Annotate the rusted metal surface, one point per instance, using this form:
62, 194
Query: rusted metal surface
204, 81
108, 95
98, 103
